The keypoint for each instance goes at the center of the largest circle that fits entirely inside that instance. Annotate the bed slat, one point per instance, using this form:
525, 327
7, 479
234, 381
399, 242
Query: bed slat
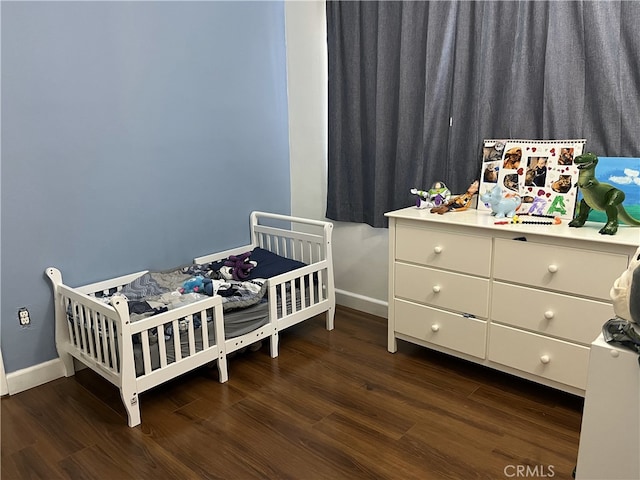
191, 334
146, 352
162, 346
205, 331
97, 338
176, 340
91, 333
109, 356
303, 292
79, 309
293, 294
111, 325
73, 325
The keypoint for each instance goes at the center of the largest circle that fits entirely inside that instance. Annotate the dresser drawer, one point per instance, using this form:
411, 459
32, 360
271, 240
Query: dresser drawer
571, 270
436, 248
454, 331
552, 359
442, 289
570, 318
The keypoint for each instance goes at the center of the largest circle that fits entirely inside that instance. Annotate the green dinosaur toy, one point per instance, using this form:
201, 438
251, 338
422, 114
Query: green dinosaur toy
599, 196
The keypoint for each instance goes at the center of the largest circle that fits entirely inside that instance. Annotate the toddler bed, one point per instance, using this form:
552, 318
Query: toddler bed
137, 331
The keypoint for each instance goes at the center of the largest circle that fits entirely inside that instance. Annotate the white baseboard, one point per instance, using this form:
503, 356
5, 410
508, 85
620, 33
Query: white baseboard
356, 301
31, 377
4, 387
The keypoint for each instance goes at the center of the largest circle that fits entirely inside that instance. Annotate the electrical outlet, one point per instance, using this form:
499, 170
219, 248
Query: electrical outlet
23, 317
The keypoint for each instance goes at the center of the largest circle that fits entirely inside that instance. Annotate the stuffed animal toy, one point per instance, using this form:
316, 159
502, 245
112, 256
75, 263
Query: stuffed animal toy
501, 205
436, 196
625, 292
239, 266
624, 329
459, 203
207, 287
195, 284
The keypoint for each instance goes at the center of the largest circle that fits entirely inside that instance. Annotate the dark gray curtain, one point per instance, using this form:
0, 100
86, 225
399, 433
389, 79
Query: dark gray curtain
414, 88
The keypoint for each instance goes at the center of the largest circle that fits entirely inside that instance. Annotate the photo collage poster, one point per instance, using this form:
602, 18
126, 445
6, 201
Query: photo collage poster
542, 172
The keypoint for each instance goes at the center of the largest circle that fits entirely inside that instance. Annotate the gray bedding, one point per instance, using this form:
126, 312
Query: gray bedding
244, 302
155, 292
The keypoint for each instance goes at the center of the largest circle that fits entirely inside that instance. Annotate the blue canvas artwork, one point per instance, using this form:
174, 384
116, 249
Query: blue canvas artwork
624, 174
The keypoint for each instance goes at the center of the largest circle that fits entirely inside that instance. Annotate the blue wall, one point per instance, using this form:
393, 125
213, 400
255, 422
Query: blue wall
135, 135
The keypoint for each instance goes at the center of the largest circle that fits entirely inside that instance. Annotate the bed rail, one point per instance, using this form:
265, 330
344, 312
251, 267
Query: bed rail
299, 290
273, 232
111, 286
185, 333
134, 356
306, 246
306, 291
302, 293
86, 329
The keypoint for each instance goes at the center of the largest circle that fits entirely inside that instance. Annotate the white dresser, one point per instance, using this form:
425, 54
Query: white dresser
524, 299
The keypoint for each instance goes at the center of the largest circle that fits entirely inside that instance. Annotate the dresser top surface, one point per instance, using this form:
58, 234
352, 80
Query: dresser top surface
626, 235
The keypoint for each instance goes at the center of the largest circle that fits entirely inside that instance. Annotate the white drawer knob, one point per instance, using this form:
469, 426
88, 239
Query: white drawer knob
435, 327
549, 314
438, 249
545, 359
552, 268
436, 288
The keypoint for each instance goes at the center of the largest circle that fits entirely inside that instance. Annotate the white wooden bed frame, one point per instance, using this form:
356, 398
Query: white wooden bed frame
103, 332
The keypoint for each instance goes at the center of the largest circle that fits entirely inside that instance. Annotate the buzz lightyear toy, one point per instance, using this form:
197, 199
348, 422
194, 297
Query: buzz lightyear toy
436, 196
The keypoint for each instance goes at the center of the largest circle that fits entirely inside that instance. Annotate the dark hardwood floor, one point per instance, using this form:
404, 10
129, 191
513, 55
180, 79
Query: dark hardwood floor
333, 405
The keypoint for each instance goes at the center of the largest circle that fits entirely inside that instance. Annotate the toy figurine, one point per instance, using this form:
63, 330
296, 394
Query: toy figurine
422, 197
459, 203
436, 196
501, 205
599, 196
238, 267
194, 284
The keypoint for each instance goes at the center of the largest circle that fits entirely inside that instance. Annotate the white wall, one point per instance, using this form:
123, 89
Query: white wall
360, 251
